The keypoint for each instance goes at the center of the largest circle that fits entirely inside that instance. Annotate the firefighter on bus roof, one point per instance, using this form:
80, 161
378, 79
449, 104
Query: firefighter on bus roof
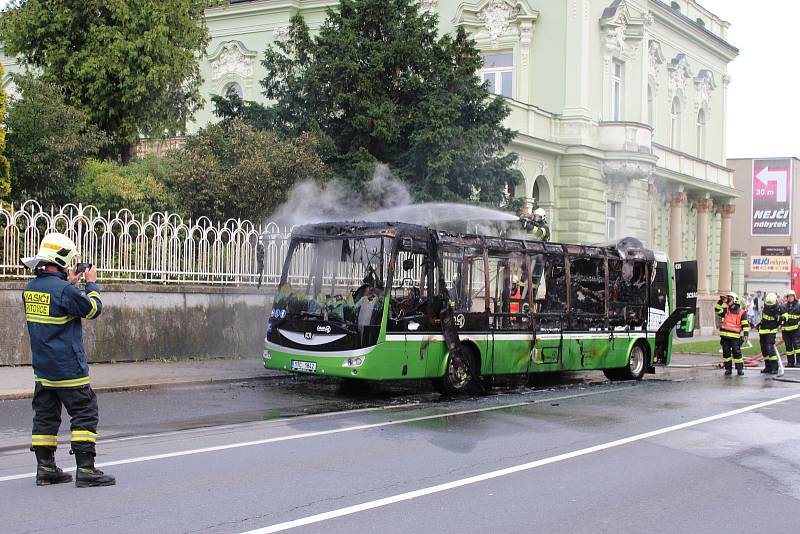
791, 329
538, 229
54, 307
733, 330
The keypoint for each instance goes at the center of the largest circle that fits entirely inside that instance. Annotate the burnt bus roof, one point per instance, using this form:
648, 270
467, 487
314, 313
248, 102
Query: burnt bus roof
625, 248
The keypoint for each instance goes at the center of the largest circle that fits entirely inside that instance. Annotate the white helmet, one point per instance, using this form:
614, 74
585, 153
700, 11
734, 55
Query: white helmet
771, 299
56, 249
539, 214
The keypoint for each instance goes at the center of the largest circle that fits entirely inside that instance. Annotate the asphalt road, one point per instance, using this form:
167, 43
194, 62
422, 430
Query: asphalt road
691, 451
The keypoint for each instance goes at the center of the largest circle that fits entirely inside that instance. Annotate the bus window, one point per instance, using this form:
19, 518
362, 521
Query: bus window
658, 287
464, 276
410, 288
627, 284
508, 288
587, 292
551, 295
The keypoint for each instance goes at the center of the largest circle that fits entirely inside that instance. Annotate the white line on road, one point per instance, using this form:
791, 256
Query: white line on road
320, 433
507, 471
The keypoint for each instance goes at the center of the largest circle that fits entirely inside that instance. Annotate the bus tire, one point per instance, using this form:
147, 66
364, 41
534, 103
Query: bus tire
636, 368
457, 379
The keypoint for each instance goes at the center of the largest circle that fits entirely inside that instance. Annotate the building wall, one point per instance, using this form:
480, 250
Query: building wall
751, 245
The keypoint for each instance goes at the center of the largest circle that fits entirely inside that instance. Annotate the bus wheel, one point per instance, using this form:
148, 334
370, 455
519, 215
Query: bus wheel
456, 379
637, 365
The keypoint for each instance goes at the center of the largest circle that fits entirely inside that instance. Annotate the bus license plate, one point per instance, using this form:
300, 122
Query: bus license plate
308, 367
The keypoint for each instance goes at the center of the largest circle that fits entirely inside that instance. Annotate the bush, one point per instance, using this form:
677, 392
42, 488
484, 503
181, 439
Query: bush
232, 171
139, 186
48, 141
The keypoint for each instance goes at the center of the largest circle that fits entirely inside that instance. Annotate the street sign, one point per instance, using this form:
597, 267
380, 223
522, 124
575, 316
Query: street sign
770, 264
776, 251
771, 197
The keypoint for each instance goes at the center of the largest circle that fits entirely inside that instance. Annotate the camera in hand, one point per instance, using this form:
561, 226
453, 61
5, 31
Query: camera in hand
82, 267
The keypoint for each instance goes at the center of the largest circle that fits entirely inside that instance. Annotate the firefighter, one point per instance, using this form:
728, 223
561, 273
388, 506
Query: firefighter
515, 297
538, 229
733, 330
54, 307
791, 329
771, 319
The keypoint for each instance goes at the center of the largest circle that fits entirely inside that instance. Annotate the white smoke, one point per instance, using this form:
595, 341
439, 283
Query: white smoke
310, 202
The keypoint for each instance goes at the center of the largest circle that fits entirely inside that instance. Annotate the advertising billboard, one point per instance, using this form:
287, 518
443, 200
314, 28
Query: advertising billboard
770, 264
771, 197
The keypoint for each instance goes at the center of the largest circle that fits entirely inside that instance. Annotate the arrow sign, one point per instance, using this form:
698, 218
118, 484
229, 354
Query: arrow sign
766, 176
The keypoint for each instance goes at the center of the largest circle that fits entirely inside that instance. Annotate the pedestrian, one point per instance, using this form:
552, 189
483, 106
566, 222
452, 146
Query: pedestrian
54, 307
758, 306
733, 329
791, 328
771, 319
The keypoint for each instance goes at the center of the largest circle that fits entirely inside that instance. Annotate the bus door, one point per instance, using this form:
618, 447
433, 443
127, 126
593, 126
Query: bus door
549, 305
465, 277
591, 344
509, 316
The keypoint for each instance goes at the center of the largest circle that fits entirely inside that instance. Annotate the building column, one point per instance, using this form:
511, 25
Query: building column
677, 201
726, 213
703, 207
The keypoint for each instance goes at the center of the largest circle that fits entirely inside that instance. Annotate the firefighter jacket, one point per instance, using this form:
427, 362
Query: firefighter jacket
791, 316
539, 231
771, 319
734, 322
53, 311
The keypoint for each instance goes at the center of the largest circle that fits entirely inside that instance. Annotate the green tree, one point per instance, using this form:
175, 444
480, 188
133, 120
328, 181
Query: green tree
48, 141
5, 167
140, 186
233, 171
383, 86
131, 66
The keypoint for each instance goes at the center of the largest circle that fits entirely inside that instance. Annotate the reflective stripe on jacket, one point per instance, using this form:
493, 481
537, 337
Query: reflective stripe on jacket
53, 311
791, 316
771, 319
734, 323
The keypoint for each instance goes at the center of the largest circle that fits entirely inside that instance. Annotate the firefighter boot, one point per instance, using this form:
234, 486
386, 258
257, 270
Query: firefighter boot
740, 369
767, 367
790, 361
87, 475
728, 368
47, 472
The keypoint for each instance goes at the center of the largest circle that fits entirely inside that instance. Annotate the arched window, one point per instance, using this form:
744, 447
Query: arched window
234, 88
701, 23
675, 127
676, 6
701, 133
651, 112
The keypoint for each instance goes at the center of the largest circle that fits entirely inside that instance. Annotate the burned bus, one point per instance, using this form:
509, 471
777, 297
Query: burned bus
383, 301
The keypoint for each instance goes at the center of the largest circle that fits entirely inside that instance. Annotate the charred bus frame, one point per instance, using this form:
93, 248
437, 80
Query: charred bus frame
457, 307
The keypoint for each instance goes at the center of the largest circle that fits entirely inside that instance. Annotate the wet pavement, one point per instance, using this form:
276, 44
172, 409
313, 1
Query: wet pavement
685, 451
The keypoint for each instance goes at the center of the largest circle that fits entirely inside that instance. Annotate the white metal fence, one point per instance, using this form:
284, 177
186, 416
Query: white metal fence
162, 248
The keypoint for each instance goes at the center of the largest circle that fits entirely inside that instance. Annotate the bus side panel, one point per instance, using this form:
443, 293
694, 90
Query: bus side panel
597, 353
512, 355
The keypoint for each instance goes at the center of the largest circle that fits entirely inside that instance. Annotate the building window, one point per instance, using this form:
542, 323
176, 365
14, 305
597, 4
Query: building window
617, 71
676, 6
701, 23
701, 133
612, 219
651, 112
234, 88
675, 127
498, 73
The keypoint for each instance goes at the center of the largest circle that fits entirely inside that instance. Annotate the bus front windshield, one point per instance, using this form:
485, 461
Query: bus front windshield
337, 280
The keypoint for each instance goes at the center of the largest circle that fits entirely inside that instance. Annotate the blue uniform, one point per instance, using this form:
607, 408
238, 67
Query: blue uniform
53, 311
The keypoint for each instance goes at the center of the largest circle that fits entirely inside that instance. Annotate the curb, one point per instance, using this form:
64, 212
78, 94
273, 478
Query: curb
156, 385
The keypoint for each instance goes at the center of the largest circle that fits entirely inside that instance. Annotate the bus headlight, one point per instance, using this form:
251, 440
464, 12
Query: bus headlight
358, 361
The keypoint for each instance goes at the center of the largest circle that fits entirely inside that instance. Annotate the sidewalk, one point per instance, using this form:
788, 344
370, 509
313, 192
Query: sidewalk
17, 382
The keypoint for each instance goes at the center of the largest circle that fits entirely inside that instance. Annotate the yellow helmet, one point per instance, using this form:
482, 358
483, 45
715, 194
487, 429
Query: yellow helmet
56, 249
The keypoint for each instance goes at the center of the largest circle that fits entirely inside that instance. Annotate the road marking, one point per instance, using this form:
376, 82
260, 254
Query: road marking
322, 433
349, 510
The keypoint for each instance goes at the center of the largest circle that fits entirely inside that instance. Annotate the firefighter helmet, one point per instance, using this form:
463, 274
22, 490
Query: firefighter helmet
771, 299
539, 214
56, 249
791, 293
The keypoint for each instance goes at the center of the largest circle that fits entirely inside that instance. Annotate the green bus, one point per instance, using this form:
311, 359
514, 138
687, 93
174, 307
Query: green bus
387, 301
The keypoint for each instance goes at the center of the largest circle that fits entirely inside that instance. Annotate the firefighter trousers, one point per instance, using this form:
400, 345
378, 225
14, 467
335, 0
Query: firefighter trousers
767, 342
792, 340
81, 405
732, 352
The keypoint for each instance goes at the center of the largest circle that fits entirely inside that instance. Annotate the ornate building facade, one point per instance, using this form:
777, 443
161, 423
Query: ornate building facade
619, 108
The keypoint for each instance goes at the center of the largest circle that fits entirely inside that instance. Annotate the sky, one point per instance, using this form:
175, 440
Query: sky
763, 106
